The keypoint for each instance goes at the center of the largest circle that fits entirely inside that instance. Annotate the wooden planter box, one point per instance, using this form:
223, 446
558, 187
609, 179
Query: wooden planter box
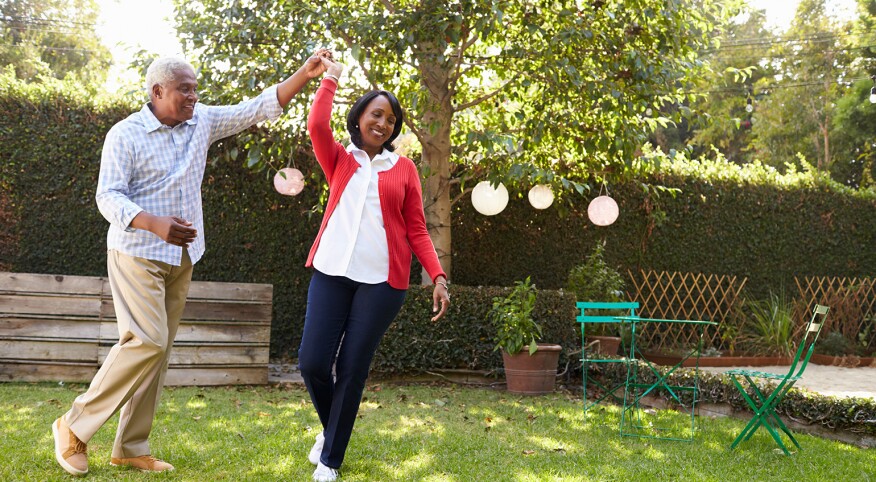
60, 328
850, 361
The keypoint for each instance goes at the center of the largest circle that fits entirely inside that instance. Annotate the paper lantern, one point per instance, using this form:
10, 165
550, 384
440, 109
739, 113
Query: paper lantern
602, 211
541, 196
290, 185
488, 200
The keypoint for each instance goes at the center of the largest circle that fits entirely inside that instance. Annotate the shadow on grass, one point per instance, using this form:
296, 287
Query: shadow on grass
413, 432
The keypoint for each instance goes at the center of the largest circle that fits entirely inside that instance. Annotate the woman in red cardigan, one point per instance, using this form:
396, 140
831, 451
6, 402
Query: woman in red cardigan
373, 221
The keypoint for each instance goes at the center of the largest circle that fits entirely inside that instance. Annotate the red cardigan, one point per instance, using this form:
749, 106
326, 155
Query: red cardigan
401, 196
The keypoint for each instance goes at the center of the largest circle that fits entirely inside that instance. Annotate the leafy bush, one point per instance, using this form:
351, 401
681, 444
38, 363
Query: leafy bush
769, 328
595, 280
464, 338
834, 344
854, 414
512, 316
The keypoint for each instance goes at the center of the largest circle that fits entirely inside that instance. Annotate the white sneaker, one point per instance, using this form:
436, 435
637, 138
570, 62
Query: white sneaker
325, 474
316, 450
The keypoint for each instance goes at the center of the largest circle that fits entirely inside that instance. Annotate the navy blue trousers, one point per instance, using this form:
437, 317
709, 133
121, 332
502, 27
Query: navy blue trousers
344, 323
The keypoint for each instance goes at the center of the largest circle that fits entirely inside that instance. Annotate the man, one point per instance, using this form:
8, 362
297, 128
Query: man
149, 190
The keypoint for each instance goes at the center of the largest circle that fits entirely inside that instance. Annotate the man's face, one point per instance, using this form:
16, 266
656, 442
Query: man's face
175, 102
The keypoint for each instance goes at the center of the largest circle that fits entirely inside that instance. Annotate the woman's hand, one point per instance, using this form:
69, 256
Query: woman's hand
332, 68
441, 296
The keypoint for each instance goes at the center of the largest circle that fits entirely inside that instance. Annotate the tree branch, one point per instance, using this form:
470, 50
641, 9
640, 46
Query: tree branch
460, 195
462, 48
389, 6
485, 96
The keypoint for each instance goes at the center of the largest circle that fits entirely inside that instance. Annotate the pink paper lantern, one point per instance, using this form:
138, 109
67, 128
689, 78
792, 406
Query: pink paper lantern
602, 211
291, 184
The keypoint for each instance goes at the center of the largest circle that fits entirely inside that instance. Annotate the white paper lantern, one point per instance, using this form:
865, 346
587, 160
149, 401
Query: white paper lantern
602, 211
541, 196
290, 185
488, 200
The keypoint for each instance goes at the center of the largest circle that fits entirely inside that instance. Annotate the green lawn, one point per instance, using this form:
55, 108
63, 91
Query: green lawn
431, 433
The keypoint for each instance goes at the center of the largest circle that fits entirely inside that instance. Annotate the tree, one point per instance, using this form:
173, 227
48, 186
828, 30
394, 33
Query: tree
855, 115
794, 113
741, 60
52, 38
517, 91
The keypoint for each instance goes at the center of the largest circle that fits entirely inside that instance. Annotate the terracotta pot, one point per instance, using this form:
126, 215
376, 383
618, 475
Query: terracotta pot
605, 345
535, 374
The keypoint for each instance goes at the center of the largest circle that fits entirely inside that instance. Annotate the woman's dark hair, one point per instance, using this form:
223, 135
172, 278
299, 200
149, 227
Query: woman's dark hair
359, 107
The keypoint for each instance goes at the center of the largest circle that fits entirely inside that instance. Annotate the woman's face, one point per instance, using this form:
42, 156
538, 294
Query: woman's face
376, 123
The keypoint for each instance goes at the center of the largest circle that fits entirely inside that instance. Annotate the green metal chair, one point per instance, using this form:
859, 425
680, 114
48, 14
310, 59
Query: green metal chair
587, 316
763, 405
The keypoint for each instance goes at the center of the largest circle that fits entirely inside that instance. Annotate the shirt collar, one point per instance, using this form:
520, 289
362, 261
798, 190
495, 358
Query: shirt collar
151, 123
385, 155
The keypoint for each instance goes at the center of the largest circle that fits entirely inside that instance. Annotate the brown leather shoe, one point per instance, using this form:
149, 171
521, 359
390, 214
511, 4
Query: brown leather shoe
143, 462
70, 452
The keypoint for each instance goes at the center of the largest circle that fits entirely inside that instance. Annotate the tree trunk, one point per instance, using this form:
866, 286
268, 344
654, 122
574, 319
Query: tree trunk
434, 135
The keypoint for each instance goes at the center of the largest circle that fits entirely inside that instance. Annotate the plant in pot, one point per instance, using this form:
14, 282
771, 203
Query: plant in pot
595, 280
530, 367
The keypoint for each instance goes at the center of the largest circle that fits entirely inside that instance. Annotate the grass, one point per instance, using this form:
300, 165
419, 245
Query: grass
411, 433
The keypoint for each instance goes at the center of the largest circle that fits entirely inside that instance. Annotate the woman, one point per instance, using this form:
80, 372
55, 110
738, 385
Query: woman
361, 258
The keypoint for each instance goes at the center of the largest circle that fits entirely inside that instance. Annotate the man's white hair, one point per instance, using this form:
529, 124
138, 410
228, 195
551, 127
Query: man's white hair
163, 70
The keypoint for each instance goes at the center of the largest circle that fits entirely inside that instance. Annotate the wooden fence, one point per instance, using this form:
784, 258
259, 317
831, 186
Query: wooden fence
55, 327
685, 296
852, 303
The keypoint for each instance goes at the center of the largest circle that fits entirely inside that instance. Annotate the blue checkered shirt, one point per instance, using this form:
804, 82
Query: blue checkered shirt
152, 167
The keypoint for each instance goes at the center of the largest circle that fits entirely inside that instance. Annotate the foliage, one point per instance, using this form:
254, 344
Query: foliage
465, 339
722, 120
750, 220
41, 39
834, 344
769, 328
852, 414
484, 84
512, 315
595, 280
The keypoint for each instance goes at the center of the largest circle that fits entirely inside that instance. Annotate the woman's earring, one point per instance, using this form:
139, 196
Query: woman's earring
357, 126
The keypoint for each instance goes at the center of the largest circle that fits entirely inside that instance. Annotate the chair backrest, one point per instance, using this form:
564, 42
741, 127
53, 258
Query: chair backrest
807, 343
586, 306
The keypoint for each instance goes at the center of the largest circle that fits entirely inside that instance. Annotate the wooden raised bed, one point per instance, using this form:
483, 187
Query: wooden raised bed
60, 328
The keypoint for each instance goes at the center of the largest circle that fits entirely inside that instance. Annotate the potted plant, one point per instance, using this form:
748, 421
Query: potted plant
595, 280
530, 367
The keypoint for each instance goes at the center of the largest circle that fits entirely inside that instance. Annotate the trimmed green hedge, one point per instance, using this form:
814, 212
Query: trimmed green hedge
852, 414
50, 143
463, 339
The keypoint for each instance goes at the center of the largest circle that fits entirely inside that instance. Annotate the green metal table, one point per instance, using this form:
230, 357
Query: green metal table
636, 422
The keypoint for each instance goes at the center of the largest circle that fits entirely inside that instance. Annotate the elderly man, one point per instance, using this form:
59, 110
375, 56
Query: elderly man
149, 190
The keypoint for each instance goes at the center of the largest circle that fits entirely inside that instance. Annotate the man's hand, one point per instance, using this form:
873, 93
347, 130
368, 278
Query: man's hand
171, 229
314, 66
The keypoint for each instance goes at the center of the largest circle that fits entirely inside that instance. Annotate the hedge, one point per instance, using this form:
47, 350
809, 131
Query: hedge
851, 414
50, 143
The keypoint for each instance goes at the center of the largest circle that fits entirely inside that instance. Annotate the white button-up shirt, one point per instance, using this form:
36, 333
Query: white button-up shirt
152, 167
354, 241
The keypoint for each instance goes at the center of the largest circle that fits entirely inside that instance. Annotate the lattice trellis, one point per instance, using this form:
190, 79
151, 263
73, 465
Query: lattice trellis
852, 303
684, 296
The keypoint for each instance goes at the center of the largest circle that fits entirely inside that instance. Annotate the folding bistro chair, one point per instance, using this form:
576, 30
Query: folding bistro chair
763, 405
589, 315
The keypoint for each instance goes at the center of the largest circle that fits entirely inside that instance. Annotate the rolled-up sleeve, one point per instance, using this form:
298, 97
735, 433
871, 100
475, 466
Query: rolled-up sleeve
229, 120
116, 163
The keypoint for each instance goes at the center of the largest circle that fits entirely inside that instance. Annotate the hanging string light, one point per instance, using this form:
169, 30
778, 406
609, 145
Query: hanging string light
873, 91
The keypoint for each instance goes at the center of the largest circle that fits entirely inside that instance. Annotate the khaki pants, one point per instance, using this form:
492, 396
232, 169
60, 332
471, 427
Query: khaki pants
149, 298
